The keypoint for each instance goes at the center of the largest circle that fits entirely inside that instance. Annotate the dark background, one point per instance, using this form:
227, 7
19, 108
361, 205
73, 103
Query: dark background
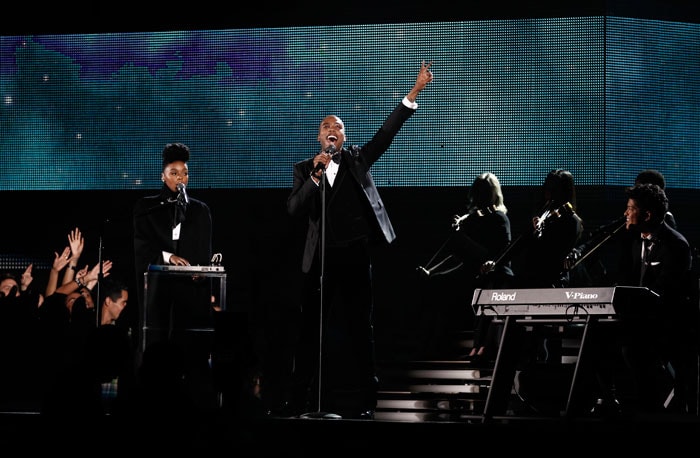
25, 17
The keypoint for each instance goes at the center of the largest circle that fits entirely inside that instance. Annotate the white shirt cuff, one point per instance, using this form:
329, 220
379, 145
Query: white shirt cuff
409, 104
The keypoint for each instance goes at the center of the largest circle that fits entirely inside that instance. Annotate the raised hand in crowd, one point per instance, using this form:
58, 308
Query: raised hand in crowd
93, 276
86, 278
25, 282
70, 256
26, 278
60, 261
76, 243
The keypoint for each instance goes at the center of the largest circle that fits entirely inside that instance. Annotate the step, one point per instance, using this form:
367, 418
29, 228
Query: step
431, 390
417, 407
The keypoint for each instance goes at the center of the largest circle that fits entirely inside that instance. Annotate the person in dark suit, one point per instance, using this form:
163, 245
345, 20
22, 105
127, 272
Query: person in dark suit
538, 254
489, 226
660, 333
172, 228
540, 251
482, 233
340, 272
599, 270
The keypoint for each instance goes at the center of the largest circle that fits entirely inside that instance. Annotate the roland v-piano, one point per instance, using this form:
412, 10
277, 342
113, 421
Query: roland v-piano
560, 302
519, 308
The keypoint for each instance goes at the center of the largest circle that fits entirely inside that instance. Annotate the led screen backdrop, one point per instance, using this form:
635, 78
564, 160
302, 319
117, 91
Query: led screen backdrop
602, 97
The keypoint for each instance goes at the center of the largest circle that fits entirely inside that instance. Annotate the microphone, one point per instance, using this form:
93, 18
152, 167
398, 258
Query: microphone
332, 151
609, 229
183, 192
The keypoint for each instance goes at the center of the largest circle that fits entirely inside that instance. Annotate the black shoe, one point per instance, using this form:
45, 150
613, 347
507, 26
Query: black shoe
353, 414
291, 408
606, 408
285, 410
469, 357
477, 359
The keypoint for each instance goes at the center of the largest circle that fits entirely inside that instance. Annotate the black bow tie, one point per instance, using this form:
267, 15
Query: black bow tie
336, 157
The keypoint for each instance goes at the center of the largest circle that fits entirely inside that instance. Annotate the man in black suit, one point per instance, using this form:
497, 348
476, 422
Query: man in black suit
338, 272
658, 333
172, 228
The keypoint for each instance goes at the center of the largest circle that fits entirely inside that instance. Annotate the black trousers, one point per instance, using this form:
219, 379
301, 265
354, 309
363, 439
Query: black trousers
344, 330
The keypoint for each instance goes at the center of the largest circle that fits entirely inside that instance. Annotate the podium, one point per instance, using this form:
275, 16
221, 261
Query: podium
151, 323
182, 308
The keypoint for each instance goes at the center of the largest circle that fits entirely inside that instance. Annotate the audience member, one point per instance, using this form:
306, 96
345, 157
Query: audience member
19, 308
64, 328
110, 348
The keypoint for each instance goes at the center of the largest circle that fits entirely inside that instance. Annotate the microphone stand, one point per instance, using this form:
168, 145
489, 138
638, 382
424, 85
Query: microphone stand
431, 268
588, 250
318, 413
98, 296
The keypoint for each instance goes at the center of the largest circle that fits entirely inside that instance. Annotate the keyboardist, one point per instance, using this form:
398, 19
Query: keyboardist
660, 258
172, 228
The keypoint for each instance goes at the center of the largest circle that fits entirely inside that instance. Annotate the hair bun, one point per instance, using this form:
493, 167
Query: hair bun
175, 152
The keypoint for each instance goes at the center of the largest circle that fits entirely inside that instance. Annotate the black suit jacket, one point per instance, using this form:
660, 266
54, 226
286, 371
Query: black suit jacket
153, 225
669, 266
153, 218
304, 198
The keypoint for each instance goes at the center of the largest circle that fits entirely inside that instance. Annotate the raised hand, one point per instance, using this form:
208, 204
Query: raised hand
77, 243
27, 278
424, 77
94, 274
61, 260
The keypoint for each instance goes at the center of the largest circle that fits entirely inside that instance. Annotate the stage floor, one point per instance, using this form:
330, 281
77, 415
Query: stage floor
275, 436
